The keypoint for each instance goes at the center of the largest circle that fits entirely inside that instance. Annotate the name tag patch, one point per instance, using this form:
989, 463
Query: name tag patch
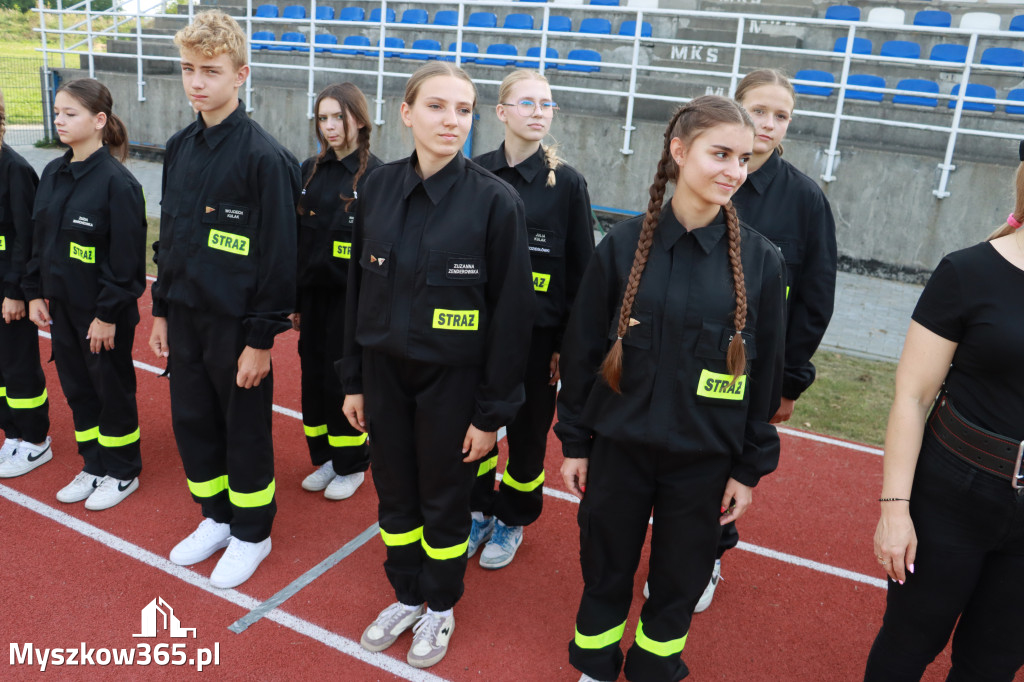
460, 320
232, 243
541, 281
86, 254
462, 268
721, 386
83, 221
342, 250
540, 241
230, 213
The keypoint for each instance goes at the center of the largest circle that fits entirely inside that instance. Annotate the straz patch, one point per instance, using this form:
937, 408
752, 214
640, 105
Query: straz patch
721, 386
540, 241
232, 243
459, 320
342, 250
541, 282
86, 254
462, 268
3, 243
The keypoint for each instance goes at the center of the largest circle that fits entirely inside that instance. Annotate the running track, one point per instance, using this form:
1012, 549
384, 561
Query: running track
802, 597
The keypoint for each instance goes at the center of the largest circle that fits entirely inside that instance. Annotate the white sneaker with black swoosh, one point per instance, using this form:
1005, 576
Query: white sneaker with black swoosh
430, 638
110, 492
26, 458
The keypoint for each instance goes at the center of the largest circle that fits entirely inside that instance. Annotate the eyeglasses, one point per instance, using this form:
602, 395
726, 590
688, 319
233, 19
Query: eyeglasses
526, 107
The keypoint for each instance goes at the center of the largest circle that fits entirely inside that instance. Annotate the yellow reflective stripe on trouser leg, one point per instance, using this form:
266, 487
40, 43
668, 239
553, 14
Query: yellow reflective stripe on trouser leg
442, 553
3, 391
119, 441
260, 498
673, 647
87, 435
24, 403
602, 640
506, 479
401, 539
208, 488
314, 431
347, 441
487, 466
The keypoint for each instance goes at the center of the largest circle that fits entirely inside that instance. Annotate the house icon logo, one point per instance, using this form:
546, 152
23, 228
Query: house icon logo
150, 621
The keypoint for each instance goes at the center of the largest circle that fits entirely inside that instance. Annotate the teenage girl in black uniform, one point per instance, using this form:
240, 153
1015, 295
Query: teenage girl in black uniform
671, 369
331, 183
88, 259
437, 328
560, 229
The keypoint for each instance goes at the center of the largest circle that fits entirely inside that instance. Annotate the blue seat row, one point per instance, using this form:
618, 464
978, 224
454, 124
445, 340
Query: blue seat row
994, 56
926, 17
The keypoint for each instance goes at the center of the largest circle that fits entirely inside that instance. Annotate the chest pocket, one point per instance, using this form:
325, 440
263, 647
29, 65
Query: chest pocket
455, 300
83, 232
713, 384
639, 330
374, 292
237, 216
544, 242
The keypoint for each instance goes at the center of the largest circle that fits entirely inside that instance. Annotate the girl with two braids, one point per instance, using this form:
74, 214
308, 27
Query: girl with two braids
331, 182
671, 370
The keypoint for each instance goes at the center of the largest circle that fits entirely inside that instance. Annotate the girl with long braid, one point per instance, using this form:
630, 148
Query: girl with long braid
671, 370
331, 182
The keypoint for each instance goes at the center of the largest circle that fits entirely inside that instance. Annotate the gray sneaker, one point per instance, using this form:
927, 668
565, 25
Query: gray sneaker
389, 624
479, 534
430, 639
501, 549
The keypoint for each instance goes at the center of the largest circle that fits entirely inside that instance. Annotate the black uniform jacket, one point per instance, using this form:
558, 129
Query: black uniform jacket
443, 277
560, 227
228, 224
677, 394
18, 182
789, 208
325, 226
89, 243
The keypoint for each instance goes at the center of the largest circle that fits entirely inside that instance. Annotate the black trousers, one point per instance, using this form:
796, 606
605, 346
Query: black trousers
100, 389
24, 409
329, 435
417, 415
520, 495
223, 432
969, 566
625, 484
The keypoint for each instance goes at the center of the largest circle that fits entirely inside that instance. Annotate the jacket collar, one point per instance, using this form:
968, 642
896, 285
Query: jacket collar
670, 230
763, 176
214, 135
438, 184
527, 169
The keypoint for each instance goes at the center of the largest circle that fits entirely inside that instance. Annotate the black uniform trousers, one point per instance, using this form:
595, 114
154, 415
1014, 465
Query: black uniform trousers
223, 432
969, 568
322, 333
24, 408
625, 483
520, 495
100, 389
417, 415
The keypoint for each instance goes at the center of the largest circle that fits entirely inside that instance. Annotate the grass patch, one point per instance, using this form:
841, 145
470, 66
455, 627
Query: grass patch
152, 234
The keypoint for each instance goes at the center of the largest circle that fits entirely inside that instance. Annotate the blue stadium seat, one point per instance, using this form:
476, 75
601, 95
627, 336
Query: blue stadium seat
1017, 23
325, 39
446, 17
352, 14
294, 12
483, 20
905, 49
375, 16
974, 90
814, 75
628, 28
557, 22
945, 52
1017, 95
294, 37
266, 12
392, 42
1003, 56
534, 63
259, 37
523, 22
607, 3
503, 55
468, 49
917, 85
933, 17
414, 16
423, 44
582, 55
324, 13
860, 45
533, 0
287, 37
355, 42
843, 13
866, 80
595, 25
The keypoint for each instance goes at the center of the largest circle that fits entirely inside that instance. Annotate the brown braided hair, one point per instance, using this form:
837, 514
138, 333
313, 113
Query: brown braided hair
352, 101
699, 115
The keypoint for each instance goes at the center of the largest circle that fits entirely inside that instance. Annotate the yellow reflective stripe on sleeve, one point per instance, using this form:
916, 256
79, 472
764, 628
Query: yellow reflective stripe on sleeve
673, 647
24, 403
208, 488
86, 254
487, 466
468, 320
721, 386
342, 250
314, 431
225, 241
602, 640
401, 539
347, 441
541, 282
442, 553
260, 498
119, 441
507, 479
88, 434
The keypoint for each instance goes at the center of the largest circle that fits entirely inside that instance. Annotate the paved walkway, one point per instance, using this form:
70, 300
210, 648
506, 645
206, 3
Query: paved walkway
871, 314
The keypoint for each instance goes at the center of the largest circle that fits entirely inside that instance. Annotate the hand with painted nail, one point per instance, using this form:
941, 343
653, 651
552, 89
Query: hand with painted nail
39, 313
574, 474
896, 541
735, 501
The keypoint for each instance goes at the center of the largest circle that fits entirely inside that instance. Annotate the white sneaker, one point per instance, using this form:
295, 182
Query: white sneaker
110, 492
240, 561
344, 487
389, 624
82, 486
319, 479
209, 537
430, 638
501, 549
587, 678
709, 591
9, 447
647, 590
25, 458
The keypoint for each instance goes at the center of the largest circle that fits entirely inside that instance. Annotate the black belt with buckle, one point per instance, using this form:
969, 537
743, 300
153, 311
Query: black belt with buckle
978, 447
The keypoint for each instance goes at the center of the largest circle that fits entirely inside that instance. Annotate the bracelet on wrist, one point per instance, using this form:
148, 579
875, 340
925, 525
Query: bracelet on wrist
894, 499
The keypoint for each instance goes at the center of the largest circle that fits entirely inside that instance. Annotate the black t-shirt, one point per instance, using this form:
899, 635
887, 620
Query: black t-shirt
974, 298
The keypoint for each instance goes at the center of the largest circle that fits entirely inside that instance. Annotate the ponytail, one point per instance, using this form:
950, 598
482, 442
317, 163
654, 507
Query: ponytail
115, 136
1018, 206
553, 161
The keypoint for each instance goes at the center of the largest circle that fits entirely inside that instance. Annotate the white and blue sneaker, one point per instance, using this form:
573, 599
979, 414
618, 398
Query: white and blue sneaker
479, 534
501, 549
709, 592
